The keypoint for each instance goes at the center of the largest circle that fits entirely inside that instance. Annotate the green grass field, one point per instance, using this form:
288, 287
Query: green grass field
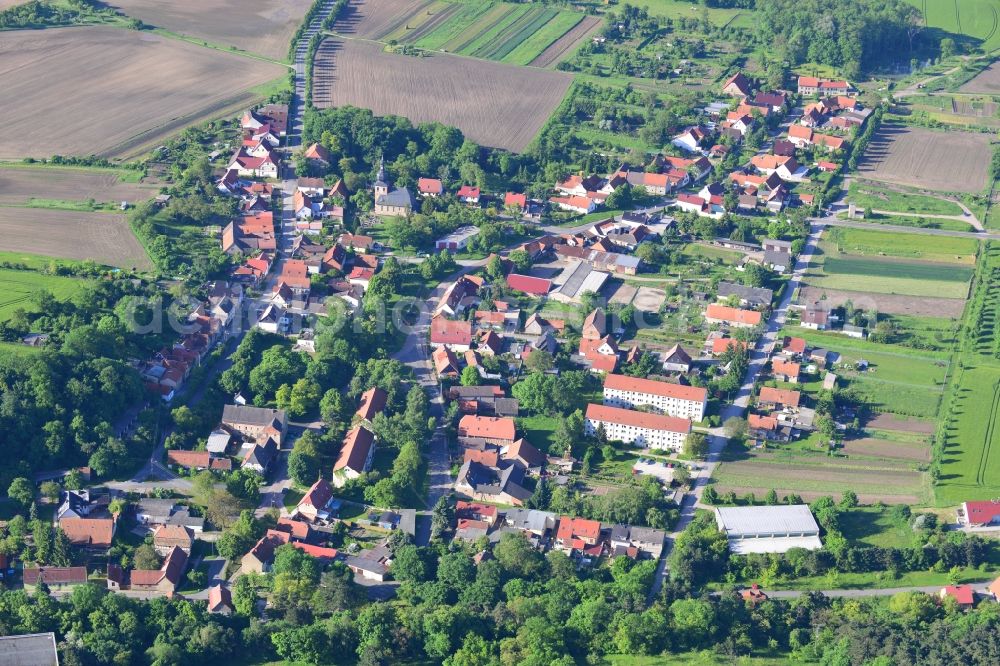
914, 221
874, 526
866, 195
507, 32
970, 463
16, 288
978, 19
902, 270
898, 379
904, 245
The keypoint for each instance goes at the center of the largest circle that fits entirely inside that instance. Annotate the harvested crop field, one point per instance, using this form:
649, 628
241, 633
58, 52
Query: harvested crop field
831, 477
18, 185
563, 46
919, 157
987, 81
102, 237
264, 27
109, 91
918, 306
887, 449
901, 424
472, 95
374, 19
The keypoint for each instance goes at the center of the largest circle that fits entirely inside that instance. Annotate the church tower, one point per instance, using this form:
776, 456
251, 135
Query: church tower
381, 185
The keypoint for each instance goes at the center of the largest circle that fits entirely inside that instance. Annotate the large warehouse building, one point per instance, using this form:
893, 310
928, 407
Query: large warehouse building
768, 529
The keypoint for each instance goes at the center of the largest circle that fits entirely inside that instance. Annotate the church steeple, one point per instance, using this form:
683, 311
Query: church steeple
381, 187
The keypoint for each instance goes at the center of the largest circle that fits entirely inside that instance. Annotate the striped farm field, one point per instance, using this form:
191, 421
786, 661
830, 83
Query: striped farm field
507, 32
16, 288
978, 19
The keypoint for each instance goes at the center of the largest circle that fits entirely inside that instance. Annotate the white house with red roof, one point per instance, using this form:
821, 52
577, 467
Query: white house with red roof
979, 514
430, 187
655, 431
468, 194
674, 399
690, 139
455, 334
575, 204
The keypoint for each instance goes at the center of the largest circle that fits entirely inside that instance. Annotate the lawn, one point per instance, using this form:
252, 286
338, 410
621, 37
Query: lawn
726, 256
540, 431
867, 195
933, 333
942, 249
874, 526
17, 287
881, 580
970, 462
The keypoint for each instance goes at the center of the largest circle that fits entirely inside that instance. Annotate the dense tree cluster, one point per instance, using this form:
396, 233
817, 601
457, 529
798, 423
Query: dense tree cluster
850, 35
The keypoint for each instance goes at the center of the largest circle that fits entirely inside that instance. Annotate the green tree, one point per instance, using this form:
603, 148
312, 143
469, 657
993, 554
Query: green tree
695, 445
470, 376
21, 491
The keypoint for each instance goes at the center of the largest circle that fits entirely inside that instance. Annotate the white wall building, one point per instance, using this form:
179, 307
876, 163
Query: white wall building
653, 431
768, 529
686, 402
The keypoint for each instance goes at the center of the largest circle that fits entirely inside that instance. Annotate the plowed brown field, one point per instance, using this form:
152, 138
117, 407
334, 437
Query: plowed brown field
492, 103
264, 27
95, 90
933, 160
103, 237
17, 186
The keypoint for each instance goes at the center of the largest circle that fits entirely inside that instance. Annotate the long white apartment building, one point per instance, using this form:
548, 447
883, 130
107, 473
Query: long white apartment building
654, 431
673, 399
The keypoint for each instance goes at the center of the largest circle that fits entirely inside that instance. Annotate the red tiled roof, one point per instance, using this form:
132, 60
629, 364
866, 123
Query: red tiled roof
295, 528
451, 332
89, 531
523, 450
372, 402
636, 419
651, 386
429, 186
788, 368
488, 427
794, 345
528, 284
784, 397
318, 495
720, 345
354, 451
468, 192
514, 199
490, 458
963, 594
570, 528
762, 422
733, 315
978, 513
319, 552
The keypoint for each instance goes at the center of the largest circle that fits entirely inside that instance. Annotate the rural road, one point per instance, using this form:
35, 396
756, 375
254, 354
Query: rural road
717, 439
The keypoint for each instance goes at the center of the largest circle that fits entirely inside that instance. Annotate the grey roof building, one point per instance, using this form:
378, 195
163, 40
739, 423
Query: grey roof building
756, 296
530, 520
768, 529
29, 650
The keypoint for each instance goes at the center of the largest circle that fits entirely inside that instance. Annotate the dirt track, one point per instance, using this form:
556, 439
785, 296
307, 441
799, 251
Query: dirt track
104, 86
104, 237
264, 27
492, 103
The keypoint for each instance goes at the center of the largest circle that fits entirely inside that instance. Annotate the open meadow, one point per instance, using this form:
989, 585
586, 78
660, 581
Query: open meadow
109, 91
16, 288
19, 185
872, 242
929, 159
472, 95
264, 27
970, 461
102, 237
976, 22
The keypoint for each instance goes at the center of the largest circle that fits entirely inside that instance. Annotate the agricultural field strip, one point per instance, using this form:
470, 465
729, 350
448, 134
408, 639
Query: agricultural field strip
563, 25
899, 269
